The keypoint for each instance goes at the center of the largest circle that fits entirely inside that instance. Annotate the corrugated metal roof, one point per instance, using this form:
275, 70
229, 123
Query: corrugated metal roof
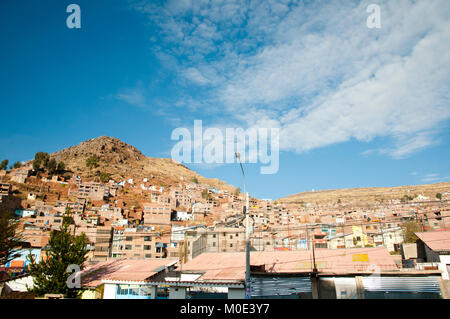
123, 270
404, 284
231, 266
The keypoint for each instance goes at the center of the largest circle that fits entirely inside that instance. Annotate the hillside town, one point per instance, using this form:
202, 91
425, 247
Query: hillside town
177, 232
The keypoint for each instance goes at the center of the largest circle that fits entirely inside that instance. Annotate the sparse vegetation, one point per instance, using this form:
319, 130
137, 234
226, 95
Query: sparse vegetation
92, 162
409, 230
206, 195
406, 199
367, 194
105, 177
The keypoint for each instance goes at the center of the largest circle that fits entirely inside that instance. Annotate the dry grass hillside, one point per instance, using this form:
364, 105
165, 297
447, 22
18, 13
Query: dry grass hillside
369, 194
121, 161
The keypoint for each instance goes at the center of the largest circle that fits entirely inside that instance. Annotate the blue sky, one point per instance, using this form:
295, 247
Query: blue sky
355, 106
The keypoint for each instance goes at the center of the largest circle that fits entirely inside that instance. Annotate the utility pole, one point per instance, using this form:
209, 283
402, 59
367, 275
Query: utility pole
382, 233
289, 234
247, 237
314, 273
314, 255
420, 218
247, 250
307, 237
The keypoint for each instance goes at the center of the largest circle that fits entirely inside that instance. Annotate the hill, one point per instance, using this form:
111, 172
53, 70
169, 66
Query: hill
122, 160
368, 194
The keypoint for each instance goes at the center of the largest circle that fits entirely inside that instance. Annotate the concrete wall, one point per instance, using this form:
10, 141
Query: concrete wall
409, 251
110, 291
346, 288
431, 255
445, 288
236, 293
177, 293
445, 260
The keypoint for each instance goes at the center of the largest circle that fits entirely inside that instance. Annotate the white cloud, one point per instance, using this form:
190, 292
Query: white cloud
434, 178
316, 71
134, 96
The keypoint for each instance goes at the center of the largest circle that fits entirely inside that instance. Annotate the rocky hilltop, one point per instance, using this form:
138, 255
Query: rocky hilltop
122, 160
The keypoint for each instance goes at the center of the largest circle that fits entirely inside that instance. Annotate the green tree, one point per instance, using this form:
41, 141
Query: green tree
9, 239
17, 165
206, 195
50, 276
195, 180
51, 166
40, 160
92, 162
409, 229
105, 177
439, 196
61, 167
4, 164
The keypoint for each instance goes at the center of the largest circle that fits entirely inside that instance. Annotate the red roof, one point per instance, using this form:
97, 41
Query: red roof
436, 240
231, 266
17, 264
123, 270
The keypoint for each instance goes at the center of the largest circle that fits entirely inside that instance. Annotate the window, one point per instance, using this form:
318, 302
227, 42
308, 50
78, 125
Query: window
145, 291
148, 255
162, 292
129, 238
122, 290
127, 247
147, 247
147, 238
133, 290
